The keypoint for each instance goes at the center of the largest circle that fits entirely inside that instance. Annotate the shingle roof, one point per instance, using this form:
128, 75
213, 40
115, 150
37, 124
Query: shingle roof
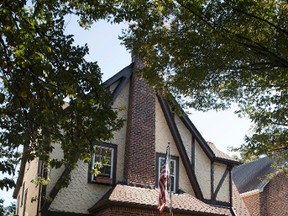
253, 175
136, 196
218, 153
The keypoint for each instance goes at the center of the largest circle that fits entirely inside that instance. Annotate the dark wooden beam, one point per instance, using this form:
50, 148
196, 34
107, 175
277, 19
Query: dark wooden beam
180, 146
214, 195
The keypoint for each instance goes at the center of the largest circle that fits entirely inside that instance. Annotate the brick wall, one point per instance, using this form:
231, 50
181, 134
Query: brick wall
134, 211
140, 157
253, 204
277, 196
272, 201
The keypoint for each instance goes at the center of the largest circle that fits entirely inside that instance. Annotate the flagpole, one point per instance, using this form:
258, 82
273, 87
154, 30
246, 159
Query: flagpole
169, 157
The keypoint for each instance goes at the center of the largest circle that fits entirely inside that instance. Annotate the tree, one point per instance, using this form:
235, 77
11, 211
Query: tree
208, 53
2, 210
41, 71
7, 211
211, 54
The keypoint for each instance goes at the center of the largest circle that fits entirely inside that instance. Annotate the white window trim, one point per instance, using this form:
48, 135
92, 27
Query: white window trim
175, 171
111, 163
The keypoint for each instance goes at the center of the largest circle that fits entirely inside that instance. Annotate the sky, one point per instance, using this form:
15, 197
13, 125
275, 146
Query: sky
222, 128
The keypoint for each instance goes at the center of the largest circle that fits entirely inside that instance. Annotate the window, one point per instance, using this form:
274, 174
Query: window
174, 170
104, 159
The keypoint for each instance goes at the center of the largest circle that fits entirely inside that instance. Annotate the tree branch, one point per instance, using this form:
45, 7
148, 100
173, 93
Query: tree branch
261, 19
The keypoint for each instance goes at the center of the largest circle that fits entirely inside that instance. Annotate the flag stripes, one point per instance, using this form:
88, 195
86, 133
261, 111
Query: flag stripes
163, 183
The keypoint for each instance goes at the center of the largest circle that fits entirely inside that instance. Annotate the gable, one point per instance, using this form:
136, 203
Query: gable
163, 137
196, 156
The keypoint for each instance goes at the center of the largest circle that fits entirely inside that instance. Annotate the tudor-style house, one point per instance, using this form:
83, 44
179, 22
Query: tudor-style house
128, 184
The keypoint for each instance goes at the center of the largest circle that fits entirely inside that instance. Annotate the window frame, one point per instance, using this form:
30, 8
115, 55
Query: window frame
25, 202
103, 179
22, 194
160, 156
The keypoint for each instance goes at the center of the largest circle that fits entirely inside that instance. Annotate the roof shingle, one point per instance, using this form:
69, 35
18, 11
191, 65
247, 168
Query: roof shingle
127, 195
253, 175
218, 153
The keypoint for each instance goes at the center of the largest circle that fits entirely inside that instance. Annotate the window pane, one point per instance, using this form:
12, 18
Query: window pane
97, 158
98, 150
106, 152
105, 171
172, 171
103, 156
162, 161
172, 181
172, 167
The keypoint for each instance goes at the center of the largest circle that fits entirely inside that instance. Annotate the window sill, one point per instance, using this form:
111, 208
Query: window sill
103, 180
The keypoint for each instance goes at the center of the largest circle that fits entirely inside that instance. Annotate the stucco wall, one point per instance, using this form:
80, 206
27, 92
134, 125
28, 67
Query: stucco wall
53, 175
223, 194
186, 136
202, 171
80, 195
163, 136
121, 104
31, 169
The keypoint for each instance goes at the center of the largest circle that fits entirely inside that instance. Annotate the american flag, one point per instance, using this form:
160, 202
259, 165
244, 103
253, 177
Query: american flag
163, 182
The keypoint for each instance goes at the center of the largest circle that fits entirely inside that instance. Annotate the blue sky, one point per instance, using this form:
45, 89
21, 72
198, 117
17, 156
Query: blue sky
222, 128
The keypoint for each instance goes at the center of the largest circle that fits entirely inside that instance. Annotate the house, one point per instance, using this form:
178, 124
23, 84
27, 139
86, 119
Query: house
128, 183
263, 189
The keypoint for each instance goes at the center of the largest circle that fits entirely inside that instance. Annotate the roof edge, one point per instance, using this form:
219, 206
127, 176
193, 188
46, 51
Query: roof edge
181, 149
125, 72
203, 143
250, 193
106, 202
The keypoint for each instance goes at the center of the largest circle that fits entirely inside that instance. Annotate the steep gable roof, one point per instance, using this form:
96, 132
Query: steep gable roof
148, 198
209, 148
211, 151
253, 175
122, 77
219, 155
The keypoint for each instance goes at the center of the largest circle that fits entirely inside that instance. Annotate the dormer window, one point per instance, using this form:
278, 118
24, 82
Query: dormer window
104, 160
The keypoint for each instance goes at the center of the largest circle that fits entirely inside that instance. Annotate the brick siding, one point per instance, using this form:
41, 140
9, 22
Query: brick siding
140, 157
134, 211
253, 204
272, 201
277, 196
